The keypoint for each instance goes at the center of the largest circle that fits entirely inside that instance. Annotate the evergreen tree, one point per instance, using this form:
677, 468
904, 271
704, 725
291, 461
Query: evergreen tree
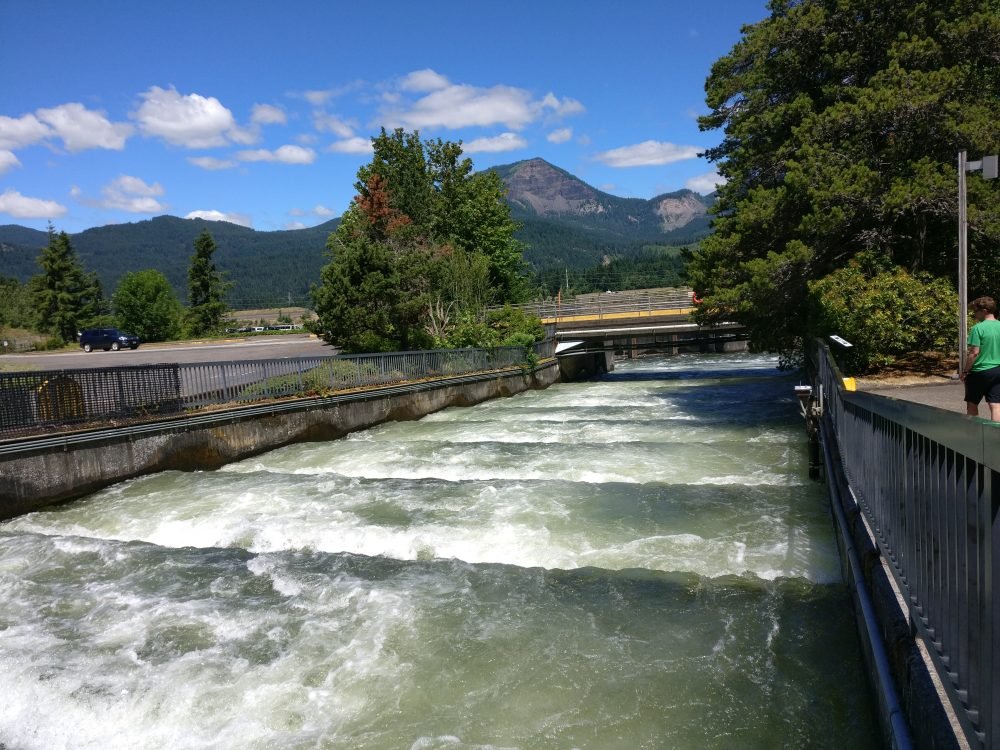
842, 120
64, 296
420, 220
145, 304
206, 289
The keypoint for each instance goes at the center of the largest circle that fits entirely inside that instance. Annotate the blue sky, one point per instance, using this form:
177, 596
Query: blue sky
261, 112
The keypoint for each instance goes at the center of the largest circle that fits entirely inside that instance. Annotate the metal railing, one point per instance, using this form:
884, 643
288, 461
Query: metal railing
31, 402
614, 305
928, 483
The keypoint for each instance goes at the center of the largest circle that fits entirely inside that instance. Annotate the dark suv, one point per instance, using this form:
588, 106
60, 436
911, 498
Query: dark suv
107, 338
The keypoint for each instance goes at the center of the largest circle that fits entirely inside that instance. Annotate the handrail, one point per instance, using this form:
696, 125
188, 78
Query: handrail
602, 306
928, 483
45, 400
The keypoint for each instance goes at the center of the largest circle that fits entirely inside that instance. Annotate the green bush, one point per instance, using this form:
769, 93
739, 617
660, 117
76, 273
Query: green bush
884, 311
508, 326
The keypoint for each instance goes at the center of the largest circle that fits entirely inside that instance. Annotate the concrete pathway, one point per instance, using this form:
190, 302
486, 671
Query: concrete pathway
942, 393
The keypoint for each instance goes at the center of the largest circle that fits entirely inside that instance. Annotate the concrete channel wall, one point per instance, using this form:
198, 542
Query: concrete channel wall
38, 472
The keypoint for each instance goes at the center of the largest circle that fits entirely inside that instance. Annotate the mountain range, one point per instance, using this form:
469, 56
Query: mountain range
565, 223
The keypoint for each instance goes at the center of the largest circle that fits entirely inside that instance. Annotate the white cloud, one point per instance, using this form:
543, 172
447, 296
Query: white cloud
583, 140
560, 136
355, 145
212, 215
22, 131
319, 97
459, 106
502, 142
318, 210
22, 207
562, 107
705, 183
191, 120
332, 124
607, 187
210, 162
295, 225
131, 194
244, 136
81, 128
424, 80
469, 106
8, 160
647, 153
287, 154
266, 114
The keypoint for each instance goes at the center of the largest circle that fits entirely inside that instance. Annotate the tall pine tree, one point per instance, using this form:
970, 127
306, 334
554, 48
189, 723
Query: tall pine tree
65, 297
206, 289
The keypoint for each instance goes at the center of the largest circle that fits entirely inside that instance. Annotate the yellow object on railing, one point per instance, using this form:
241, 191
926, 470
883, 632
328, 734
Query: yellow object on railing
850, 384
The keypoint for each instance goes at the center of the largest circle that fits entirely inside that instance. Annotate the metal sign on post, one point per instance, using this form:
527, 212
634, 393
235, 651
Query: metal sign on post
988, 165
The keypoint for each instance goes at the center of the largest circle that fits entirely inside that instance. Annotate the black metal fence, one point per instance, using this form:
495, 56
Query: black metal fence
928, 483
32, 402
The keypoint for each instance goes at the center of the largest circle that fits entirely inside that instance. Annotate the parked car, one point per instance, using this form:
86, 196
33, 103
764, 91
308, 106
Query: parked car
107, 338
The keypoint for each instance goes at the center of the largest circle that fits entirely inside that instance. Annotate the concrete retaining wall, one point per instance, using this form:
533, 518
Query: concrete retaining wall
33, 479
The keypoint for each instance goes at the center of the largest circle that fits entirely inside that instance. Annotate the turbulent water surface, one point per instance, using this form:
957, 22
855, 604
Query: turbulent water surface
634, 562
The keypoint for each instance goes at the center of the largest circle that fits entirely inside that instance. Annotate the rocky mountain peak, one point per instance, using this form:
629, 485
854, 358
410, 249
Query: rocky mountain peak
544, 189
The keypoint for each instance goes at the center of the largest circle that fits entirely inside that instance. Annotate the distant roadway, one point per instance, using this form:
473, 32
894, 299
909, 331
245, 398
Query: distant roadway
219, 350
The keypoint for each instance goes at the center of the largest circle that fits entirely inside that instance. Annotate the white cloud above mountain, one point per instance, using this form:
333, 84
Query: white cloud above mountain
647, 153
560, 136
188, 120
81, 128
20, 206
18, 132
450, 105
213, 215
705, 183
495, 144
133, 195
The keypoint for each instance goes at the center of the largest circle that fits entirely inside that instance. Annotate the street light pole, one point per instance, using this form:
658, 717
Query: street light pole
988, 165
963, 262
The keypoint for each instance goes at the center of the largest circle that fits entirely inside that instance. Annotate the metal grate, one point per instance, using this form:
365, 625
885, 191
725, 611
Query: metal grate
31, 400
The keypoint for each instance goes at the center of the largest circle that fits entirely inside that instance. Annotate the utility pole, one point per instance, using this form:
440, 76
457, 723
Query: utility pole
988, 165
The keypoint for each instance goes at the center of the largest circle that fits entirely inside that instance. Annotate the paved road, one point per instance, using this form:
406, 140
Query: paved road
229, 350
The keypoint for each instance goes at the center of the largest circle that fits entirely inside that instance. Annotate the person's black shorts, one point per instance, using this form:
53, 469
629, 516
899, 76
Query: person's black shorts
983, 383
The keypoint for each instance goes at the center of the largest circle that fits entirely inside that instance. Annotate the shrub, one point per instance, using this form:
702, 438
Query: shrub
884, 311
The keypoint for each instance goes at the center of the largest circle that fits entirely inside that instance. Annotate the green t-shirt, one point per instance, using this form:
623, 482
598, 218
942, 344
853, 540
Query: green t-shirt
986, 335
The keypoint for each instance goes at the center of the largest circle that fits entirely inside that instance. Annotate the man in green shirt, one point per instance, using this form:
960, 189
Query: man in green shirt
982, 361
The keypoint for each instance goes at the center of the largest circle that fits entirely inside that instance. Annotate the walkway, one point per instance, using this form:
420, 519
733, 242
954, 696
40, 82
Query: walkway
944, 394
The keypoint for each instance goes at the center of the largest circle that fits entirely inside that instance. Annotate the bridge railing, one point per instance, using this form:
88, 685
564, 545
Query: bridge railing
928, 484
611, 305
39, 401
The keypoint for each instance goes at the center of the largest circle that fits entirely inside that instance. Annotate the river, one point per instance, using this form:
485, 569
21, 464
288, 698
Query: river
638, 561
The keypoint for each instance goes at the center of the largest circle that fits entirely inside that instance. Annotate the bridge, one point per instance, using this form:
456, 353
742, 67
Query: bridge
633, 322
